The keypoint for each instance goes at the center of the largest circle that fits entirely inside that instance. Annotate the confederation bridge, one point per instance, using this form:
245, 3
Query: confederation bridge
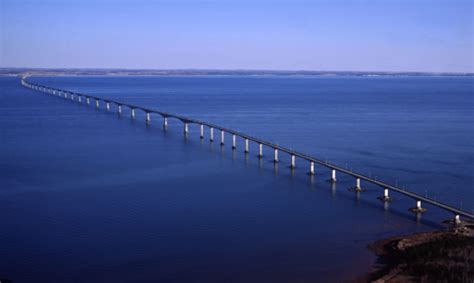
312, 161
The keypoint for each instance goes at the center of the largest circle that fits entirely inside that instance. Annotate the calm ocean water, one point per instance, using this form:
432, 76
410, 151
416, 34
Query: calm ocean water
90, 196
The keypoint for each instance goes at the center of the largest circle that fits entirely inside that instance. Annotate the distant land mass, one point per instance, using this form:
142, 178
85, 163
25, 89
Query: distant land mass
203, 72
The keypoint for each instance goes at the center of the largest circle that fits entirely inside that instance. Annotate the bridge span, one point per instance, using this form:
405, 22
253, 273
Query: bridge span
87, 99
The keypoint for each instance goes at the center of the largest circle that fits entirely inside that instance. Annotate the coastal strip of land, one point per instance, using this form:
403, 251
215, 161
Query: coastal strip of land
205, 72
439, 256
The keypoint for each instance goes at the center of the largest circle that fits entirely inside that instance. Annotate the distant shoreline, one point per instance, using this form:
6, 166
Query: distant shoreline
205, 72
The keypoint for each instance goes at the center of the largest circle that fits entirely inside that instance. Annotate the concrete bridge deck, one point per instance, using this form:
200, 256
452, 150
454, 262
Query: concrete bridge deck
294, 154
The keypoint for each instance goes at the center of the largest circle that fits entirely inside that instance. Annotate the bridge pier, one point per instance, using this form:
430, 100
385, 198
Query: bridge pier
79, 99
418, 208
211, 133
222, 137
457, 219
72, 97
65, 95
293, 162
357, 187
107, 106
186, 128
165, 122
275, 155
202, 132
96, 103
234, 142
333, 175
311, 168
148, 118
260, 150
246, 145
132, 113
385, 197
119, 109
88, 101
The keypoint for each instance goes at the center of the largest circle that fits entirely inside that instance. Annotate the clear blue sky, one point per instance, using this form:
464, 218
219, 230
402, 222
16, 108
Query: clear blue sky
383, 35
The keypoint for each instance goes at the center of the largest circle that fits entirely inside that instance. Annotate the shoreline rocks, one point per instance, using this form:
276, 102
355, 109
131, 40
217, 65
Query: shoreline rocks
440, 256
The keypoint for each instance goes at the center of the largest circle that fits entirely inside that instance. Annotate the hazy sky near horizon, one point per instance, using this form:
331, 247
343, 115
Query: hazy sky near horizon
377, 35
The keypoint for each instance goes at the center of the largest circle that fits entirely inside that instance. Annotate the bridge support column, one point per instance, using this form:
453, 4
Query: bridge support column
211, 133
357, 187
132, 113
260, 150
120, 110
311, 168
293, 162
79, 99
333, 175
107, 106
65, 95
88, 101
186, 128
202, 132
457, 219
97, 103
246, 145
165, 122
148, 118
72, 97
222, 137
418, 208
385, 197
234, 142
275, 156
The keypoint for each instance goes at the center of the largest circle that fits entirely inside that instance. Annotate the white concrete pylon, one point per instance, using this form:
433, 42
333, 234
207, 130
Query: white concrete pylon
293, 161
358, 188
457, 219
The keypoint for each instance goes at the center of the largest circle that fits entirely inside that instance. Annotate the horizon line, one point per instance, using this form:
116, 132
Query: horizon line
230, 70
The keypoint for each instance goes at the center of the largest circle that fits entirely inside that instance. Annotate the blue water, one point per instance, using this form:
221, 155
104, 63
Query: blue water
90, 196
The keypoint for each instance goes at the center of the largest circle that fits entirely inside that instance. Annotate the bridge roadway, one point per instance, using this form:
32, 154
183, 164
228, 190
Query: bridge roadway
419, 198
